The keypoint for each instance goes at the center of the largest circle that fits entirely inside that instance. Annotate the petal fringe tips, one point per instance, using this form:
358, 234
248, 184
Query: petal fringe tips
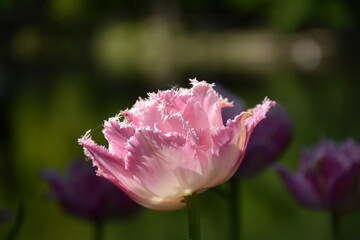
172, 144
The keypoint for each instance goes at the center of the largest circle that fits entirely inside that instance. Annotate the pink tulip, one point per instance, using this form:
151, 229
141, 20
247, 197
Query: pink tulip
172, 144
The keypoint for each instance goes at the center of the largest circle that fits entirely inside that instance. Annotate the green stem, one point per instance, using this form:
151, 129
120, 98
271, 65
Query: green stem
193, 213
19, 219
335, 225
235, 207
98, 230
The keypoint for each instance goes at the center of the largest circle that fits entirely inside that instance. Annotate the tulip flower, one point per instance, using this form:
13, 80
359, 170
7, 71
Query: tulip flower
173, 145
85, 195
328, 177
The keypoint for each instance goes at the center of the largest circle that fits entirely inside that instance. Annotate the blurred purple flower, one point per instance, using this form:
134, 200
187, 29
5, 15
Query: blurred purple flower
86, 195
5, 215
328, 178
269, 138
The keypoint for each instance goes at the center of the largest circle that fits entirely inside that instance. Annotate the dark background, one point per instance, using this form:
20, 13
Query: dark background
67, 65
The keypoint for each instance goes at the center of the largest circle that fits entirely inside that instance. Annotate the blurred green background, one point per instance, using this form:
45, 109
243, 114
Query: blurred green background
67, 65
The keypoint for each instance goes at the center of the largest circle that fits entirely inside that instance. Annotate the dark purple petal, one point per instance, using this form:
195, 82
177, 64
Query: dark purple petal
344, 190
351, 150
325, 151
331, 168
86, 195
299, 186
58, 184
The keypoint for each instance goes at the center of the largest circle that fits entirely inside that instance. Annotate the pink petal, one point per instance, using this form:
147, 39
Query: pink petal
196, 116
230, 142
109, 165
258, 113
175, 123
117, 135
162, 111
210, 101
113, 168
226, 153
182, 103
164, 164
172, 101
144, 113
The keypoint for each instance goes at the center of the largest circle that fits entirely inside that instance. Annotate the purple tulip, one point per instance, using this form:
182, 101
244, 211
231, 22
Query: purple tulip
86, 195
328, 178
269, 138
